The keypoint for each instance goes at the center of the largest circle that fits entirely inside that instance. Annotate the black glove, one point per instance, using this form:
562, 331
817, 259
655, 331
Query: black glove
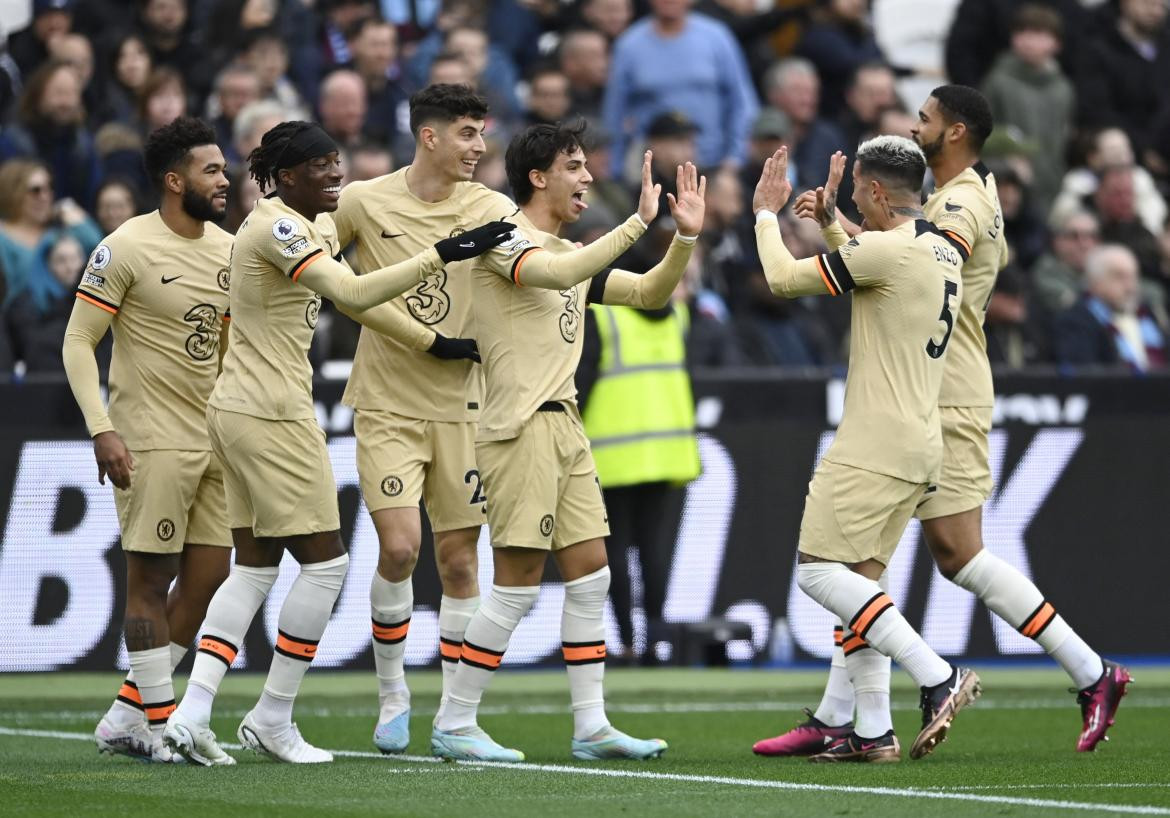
473, 242
453, 349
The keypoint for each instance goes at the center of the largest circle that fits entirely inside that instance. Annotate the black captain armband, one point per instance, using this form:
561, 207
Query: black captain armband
597, 287
834, 272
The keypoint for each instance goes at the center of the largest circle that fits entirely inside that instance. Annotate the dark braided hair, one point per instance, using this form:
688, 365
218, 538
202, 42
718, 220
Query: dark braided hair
262, 160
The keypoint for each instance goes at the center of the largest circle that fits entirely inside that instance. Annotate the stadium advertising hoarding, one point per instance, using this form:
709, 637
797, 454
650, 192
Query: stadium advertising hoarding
1080, 469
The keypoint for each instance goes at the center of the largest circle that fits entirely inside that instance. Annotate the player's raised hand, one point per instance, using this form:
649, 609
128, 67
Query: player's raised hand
113, 458
691, 203
825, 211
773, 189
648, 201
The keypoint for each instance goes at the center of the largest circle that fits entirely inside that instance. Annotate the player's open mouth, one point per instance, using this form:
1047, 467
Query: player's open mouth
332, 190
471, 164
579, 199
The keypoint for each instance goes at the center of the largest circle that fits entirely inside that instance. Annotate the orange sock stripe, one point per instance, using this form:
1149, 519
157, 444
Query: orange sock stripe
449, 649
390, 634
583, 653
480, 657
1040, 619
869, 612
838, 636
159, 713
853, 643
294, 648
128, 694
221, 649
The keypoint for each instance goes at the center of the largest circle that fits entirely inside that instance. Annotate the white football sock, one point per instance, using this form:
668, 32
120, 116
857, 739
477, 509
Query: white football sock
126, 711
152, 673
869, 671
229, 615
836, 707
391, 604
1016, 600
484, 643
583, 646
454, 616
870, 613
303, 617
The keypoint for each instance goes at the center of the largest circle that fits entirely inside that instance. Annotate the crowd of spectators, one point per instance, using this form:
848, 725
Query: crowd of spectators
1081, 148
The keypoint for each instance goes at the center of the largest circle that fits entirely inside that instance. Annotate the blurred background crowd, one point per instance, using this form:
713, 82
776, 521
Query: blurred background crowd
1080, 91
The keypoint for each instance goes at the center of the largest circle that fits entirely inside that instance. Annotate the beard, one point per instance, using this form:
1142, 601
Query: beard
931, 149
201, 207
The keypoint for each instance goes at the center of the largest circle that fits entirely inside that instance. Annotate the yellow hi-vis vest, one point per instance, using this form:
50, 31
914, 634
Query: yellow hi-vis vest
640, 416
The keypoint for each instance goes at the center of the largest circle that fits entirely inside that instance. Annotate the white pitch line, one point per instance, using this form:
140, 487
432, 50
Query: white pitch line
564, 769
777, 706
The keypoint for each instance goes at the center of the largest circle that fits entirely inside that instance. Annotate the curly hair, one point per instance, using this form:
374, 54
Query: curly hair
168, 147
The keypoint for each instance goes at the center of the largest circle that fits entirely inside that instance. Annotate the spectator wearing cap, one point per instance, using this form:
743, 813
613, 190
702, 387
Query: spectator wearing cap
671, 136
584, 59
1110, 326
793, 87
676, 60
29, 47
1027, 90
768, 134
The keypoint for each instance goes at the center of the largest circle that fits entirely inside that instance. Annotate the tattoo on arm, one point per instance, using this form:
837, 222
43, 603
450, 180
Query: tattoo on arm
830, 214
139, 634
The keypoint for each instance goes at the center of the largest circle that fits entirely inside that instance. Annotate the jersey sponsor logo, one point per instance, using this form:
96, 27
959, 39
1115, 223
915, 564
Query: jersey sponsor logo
93, 280
285, 229
546, 524
224, 278
570, 320
166, 280
312, 310
165, 529
391, 486
101, 257
295, 249
203, 343
430, 302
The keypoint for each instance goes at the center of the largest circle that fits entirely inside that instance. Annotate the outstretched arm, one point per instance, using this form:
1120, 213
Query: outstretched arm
338, 283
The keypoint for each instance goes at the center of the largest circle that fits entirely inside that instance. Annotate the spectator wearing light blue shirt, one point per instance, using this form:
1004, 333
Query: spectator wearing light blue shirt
676, 60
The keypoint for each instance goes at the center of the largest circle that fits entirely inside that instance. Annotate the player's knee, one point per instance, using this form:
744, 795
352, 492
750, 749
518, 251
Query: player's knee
458, 570
397, 555
950, 555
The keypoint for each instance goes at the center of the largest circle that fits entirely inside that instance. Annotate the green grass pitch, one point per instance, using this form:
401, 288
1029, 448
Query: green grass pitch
1011, 754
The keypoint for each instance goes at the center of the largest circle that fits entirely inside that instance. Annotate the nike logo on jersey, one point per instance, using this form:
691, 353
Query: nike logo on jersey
386, 235
952, 208
166, 280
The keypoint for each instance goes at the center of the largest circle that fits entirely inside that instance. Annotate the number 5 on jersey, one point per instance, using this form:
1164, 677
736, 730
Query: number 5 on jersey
934, 350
